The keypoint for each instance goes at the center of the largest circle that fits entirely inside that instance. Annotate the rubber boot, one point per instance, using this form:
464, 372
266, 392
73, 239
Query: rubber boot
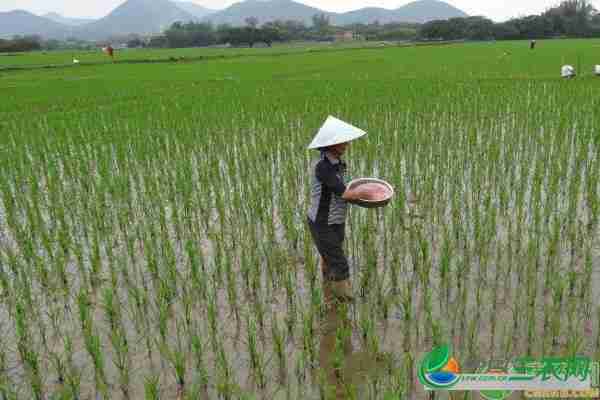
328, 297
342, 290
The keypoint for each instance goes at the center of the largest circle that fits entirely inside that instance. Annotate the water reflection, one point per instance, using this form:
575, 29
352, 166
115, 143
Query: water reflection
344, 370
334, 350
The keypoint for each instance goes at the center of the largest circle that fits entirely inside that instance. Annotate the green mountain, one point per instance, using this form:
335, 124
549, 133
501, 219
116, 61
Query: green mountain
67, 21
269, 10
21, 22
364, 16
428, 10
194, 9
264, 11
136, 16
153, 16
418, 11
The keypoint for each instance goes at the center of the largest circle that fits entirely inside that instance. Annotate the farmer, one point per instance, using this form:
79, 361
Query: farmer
329, 201
109, 51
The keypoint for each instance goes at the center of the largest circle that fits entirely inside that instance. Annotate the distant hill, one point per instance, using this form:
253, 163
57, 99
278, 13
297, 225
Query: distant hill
136, 16
365, 16
21, 22
428, 10
264, 11
419, 11
153, 16
194, 9
269, 10
67, 21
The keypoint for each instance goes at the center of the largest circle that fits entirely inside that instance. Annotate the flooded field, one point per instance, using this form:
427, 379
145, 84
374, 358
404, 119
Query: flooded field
153, 238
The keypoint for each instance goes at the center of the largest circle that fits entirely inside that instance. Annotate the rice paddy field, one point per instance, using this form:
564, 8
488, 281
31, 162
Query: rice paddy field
53, 59
153, 242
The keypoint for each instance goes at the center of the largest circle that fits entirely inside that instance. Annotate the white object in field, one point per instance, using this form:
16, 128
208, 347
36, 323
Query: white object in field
335, 131
567, 71
75, 61
597, 69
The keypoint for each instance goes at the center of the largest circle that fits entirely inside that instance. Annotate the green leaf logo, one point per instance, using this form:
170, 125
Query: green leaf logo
430, 371
437, 359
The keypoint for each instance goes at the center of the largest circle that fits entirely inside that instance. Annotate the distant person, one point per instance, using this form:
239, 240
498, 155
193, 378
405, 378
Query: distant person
532, 45
110, 51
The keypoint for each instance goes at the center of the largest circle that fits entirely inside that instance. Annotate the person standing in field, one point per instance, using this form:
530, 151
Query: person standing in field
328, 207
110, 52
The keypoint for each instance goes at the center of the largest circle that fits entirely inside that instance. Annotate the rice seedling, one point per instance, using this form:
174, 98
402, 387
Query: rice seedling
257, 365
152, 388
28, 353
6, 387
93, 344
278, 338
73, 374
199, 355
225, 385
177, 357
118, 338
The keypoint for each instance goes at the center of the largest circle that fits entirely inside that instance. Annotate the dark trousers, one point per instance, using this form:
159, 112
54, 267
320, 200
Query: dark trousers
329, 240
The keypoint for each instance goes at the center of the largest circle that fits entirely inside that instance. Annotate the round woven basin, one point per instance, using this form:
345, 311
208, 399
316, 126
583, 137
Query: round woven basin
375, 193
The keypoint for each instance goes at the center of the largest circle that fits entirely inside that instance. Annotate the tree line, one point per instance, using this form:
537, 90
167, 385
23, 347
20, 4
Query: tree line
194, 34
27, 43
35, 42
571, 18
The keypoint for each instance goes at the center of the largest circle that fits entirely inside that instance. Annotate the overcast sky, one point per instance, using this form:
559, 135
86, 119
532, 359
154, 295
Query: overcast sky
497, 10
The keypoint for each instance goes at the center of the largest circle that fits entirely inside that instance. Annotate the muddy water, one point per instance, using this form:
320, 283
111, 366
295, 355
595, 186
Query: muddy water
347, 364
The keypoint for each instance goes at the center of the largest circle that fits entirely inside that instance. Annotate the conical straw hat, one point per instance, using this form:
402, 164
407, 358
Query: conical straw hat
335, 132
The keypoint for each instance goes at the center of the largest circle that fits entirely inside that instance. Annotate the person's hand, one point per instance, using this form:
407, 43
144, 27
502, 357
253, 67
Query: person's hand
352, 195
